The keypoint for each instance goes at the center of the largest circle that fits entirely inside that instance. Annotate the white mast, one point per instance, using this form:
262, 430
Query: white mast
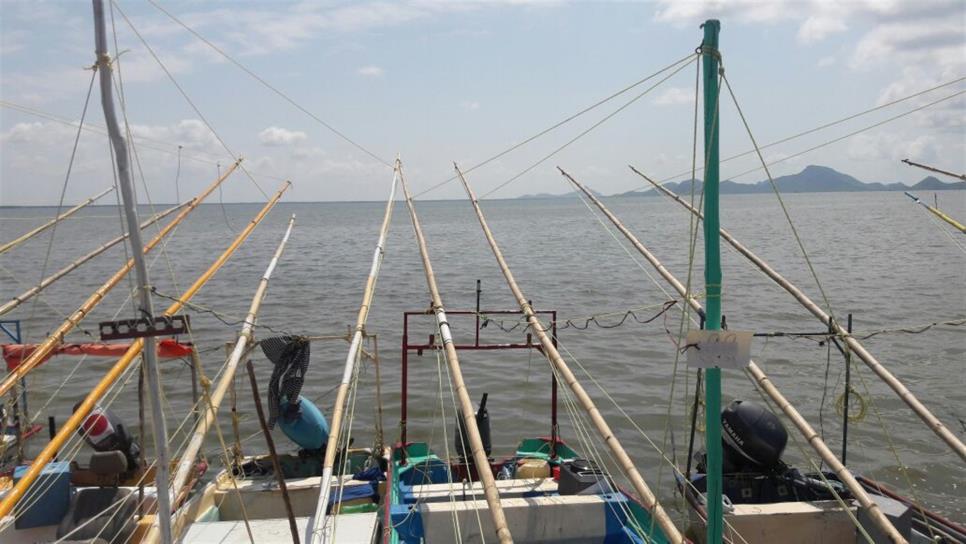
242, 344
145, 309
318, 532
468, 419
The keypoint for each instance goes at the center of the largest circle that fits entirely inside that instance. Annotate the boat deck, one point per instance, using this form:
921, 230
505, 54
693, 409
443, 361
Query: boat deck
352, 529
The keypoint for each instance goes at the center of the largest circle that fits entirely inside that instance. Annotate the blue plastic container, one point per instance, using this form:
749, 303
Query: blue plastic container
308, 428
50, 507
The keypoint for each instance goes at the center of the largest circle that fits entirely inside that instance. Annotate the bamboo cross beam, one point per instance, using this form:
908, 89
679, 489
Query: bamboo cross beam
14, 243
11, 499
459, 387
44, 283
758, 376
961, 177
882, 372
57, 337
213, 399
610, 439
317, 528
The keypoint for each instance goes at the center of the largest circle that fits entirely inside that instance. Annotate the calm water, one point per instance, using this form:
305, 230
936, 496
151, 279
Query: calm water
878, 255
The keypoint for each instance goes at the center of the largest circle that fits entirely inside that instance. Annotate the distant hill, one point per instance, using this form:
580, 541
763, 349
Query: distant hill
571, 194
813, 179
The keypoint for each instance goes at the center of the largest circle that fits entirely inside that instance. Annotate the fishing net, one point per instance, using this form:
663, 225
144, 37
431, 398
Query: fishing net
290, 355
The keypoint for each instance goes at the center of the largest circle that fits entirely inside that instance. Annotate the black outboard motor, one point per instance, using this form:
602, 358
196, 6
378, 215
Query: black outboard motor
753, 438
104, 431
482, 422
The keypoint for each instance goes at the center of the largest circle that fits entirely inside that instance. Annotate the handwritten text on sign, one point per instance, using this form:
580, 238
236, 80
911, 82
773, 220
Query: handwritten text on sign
723, 349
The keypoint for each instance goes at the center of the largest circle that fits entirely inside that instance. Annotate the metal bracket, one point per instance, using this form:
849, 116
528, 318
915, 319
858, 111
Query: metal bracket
13, 334
144, 327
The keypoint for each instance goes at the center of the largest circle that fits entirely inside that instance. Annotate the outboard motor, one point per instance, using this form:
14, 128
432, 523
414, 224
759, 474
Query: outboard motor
303, 423
104, 431
482, 423
753, 438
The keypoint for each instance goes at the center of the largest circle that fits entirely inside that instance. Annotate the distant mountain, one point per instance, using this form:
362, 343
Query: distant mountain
571, 194
813, 179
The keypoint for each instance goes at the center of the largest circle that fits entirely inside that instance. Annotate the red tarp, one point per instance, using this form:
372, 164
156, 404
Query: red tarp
14, 354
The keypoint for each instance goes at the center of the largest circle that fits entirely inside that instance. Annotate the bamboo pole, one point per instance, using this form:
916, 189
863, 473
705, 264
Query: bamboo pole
627, 466
44, 283
242, 344
931, 421
57, 337
16, 242
759, 377
316, 527
961, 177
937, 212
456, 375
115, 372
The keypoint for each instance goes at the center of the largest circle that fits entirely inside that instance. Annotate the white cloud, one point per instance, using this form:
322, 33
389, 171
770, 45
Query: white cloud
277, 136
818, 27
371, 71
825, 62
674, 96
471, 105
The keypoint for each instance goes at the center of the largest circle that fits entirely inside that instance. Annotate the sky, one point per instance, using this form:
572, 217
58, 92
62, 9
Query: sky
439, 82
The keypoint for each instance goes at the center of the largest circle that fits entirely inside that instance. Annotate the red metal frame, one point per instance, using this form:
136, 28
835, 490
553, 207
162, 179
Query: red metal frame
475, 346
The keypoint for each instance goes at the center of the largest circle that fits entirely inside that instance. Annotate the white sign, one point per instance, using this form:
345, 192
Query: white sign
722, 349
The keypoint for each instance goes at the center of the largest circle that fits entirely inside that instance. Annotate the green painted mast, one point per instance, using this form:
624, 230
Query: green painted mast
712, 276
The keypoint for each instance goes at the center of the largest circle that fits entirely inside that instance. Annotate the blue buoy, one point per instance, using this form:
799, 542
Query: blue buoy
304, 424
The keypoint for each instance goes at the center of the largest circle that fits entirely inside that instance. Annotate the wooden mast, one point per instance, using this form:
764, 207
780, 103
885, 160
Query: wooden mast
116, 371
920, 409
57, 337
242, 345
456, 375
317, 526
627, 466
44, 283
145, 306
30, 234
759, 377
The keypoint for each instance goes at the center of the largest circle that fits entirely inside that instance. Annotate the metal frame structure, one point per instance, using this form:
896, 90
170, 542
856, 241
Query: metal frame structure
432, 344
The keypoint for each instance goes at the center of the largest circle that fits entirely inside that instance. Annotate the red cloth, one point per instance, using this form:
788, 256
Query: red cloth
14, 354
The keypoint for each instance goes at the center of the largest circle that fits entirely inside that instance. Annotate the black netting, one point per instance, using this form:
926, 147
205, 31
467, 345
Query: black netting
290, 354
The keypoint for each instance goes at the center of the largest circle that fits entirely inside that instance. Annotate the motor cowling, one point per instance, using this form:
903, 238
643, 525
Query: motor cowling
482, 423
753, 436
105, 431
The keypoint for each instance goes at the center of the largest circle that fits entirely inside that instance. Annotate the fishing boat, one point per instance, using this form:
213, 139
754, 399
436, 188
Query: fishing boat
547, 489
741, 490
109, 498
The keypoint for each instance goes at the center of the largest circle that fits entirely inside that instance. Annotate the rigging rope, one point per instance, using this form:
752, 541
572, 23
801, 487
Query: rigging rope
680, 66
555, 126
186, 97
814, 129
63, 190
270, 87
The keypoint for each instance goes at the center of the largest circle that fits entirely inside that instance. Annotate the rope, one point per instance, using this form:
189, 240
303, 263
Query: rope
63, 190
555, 126
853, 133
270, 87
186, 97
452, 491
781, 202
687, 60
838, 498
815, 129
